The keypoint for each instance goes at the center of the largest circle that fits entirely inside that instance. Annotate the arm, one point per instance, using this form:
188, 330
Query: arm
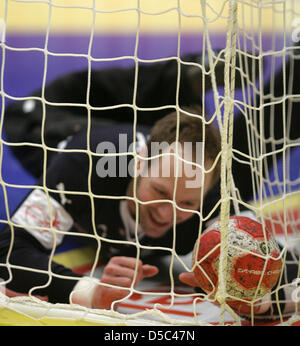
29, 247
41, 276
36, 272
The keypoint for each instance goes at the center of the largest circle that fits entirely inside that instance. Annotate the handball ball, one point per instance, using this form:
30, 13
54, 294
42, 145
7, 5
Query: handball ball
253, 262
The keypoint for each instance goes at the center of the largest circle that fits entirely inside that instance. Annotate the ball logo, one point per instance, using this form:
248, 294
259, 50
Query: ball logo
264, 248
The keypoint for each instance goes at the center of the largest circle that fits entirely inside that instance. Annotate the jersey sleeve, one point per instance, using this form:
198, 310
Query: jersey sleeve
31, 269
41, 221
40, 224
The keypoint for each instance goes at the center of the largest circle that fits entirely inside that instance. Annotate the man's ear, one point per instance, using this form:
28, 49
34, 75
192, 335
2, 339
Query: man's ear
141, 159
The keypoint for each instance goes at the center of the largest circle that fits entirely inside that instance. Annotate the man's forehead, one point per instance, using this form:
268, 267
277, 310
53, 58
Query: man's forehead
168, 168
190, 151
172, 163
176, 160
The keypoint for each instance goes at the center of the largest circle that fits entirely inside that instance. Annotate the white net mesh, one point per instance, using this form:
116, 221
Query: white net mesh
258, 51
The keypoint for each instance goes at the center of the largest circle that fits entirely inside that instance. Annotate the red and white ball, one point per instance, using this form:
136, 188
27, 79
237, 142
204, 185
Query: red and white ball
253, 263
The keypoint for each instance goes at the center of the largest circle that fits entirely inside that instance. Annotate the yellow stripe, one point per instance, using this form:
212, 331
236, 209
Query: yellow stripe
10, 317
76, 258
158, 17
279, 204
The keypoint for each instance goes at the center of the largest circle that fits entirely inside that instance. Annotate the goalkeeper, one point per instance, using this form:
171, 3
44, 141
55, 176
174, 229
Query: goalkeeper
74, 119
105, 208
79, 187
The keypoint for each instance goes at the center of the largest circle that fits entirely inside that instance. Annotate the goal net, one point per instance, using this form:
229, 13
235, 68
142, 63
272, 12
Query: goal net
247, 70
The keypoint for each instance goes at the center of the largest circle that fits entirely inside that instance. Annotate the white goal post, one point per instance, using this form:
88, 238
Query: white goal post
260, 55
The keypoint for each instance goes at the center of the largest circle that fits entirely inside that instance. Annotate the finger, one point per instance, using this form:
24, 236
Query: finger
128, 262
116, 280
119, 271
189, 279
149, 270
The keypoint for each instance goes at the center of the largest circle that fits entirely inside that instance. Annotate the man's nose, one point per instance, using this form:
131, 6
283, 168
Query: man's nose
165, 211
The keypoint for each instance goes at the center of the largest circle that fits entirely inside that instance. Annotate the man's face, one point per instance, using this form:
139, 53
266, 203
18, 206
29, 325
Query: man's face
157, 213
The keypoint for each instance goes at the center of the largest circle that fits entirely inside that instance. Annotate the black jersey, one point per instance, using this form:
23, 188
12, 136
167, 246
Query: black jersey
87, 190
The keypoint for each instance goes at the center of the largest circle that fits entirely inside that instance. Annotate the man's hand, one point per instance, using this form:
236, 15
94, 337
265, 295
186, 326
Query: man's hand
120, 271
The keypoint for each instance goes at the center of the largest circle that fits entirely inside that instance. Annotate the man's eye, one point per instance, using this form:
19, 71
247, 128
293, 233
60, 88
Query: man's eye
189, 205
159, 191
